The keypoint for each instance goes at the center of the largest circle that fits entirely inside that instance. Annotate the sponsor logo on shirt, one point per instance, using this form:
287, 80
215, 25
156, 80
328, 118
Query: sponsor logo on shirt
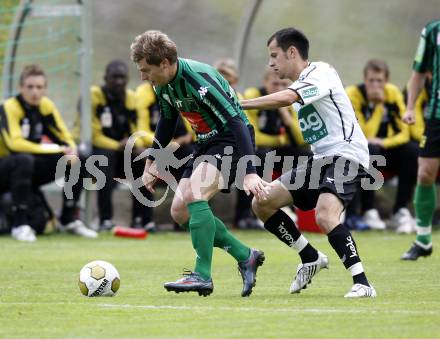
312, 126
310, 92
202, 91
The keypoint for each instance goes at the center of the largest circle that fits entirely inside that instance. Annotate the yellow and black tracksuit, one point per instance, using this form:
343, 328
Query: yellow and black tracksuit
384, 121
271, 134
34, 137
269, 128
114, 119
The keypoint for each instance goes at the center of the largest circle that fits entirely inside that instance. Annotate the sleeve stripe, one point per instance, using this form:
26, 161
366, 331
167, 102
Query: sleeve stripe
301, 101
313, 68
225, 114
214, 83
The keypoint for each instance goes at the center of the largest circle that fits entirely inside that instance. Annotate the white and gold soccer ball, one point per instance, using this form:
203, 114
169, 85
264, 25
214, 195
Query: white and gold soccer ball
99, 278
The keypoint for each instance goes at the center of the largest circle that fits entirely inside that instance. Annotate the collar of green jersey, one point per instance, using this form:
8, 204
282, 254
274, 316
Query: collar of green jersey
178, 73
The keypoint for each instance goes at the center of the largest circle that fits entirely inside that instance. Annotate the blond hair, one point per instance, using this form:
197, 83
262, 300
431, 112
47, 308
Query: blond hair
227, 66
154, 47
31, 70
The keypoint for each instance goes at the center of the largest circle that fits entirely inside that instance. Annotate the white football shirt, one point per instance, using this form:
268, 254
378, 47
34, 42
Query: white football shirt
326, 117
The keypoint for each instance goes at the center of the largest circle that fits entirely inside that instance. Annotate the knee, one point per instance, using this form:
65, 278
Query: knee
264, 209
425, 175
23, 163
179, 212
188, 196
326, 218
374, 149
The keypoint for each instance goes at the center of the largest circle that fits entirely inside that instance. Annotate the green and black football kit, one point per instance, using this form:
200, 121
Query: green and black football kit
202, 96
427, 59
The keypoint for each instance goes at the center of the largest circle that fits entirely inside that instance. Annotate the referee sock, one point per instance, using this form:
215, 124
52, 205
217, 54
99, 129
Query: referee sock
343, 243
285, 230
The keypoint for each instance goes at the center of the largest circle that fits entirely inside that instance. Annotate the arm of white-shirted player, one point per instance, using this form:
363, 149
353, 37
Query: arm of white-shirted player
279, 99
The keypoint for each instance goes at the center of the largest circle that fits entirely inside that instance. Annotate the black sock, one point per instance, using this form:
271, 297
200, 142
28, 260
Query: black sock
68, 213
343, 243
285, 230
20, 213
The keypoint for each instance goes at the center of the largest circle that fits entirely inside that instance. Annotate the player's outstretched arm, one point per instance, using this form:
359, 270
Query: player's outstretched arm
275, 100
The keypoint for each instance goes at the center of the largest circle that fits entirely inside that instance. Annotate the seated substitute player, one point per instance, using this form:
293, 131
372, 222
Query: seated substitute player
329, 124
25, 119
426, 61
379, 108
114, 119
206, 100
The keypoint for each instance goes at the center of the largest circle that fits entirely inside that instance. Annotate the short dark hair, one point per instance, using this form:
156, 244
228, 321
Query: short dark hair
30, 71
115, 64
291, 37
377, 65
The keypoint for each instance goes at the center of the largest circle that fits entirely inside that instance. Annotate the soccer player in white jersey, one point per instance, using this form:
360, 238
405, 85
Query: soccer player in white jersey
329, 180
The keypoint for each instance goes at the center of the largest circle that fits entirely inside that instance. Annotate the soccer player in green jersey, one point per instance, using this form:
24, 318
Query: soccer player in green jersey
201, 95
427, 60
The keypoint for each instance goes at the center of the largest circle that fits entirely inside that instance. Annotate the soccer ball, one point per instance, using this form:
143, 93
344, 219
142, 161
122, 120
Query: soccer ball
99, 278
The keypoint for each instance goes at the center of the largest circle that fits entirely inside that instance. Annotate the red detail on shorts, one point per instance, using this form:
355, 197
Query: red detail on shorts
197, 122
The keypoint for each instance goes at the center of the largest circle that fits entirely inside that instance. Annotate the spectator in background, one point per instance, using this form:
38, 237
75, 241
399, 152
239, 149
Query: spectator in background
148, 116
28, 160
114, 119
425, 62
229, 70
379, 107
275, 130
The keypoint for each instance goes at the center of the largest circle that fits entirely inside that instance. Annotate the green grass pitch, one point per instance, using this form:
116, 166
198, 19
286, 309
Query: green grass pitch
39, 296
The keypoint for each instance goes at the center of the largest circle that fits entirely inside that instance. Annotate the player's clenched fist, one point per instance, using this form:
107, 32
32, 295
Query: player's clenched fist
150, 175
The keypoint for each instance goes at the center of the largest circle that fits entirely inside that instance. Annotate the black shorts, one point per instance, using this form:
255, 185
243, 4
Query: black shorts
214, 150
335, 175
430, 144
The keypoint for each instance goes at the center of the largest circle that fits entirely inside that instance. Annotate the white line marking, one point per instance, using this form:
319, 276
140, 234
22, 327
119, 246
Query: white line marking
294, 308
